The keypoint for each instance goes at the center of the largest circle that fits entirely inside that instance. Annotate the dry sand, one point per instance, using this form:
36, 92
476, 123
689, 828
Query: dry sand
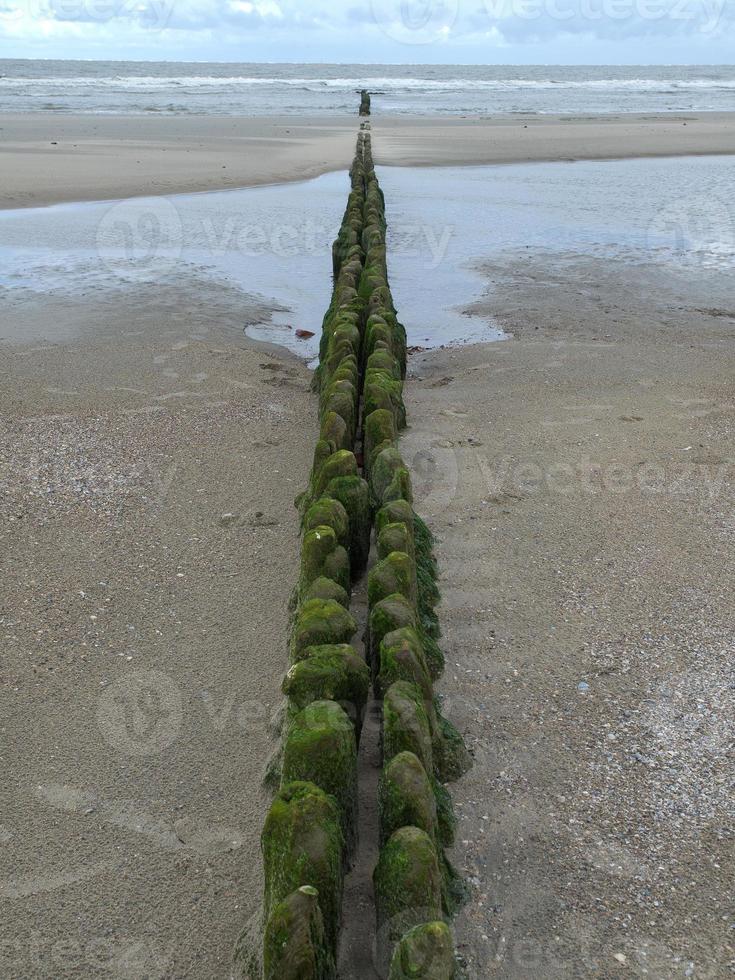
51, 158
46, 159
429, 141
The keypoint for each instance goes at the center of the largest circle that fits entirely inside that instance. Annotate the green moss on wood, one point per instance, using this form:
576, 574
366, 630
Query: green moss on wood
407, 880
330, 512
394, 512
320, 621
342, 463
354, 495
382, 392
378, 428
303, 844
406, 725
327, 588
395, 573
426, 952
335, 431
402, 659
295, 945
323, 556
330, 673
321, 748
394, 537
383, 361
399, 488
406, 797
391, 613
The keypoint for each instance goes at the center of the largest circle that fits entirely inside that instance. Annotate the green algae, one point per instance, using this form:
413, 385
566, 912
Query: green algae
395, 512
406, 726
383, 393
342, 463
330, 512
321, 748
379, 427
446, 819
335, 431
330, 673
395, 573
391, 613
323, 557
425, 952
427, 591
354, 495
399, 487
394, 537
434, 656
295, 945
407, 880
385, 465
381, 360
327, 588
320, 621
303, 844
451, 757
402, 659
406, 797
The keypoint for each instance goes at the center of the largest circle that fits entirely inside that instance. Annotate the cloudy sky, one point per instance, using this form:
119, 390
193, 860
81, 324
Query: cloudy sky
369, 31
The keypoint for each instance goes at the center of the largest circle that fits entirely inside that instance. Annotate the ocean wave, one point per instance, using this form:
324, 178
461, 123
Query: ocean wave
394, 85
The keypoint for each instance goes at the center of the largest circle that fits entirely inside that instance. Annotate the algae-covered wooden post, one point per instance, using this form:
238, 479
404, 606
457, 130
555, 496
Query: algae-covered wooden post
360, 490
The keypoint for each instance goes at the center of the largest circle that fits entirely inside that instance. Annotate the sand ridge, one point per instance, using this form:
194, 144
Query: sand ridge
46, 159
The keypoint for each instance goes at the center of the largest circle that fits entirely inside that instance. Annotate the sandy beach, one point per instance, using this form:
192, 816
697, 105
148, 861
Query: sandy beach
46, 159
579, 480
149, 540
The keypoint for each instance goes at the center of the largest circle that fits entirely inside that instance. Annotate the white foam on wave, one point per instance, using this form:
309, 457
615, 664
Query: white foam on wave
160, 82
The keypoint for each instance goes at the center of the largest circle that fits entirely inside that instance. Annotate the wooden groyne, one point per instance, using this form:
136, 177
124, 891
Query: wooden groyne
357, 517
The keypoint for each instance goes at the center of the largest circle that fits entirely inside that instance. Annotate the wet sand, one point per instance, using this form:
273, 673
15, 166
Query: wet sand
148, 469
580, 480
51, 158
584, 538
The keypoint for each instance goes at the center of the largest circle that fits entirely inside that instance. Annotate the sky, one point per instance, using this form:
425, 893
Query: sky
374, 31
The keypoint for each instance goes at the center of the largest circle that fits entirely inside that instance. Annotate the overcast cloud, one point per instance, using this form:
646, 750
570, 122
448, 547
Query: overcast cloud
364, 31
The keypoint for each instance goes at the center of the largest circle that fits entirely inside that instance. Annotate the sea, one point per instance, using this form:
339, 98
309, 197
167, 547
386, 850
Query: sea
203, 88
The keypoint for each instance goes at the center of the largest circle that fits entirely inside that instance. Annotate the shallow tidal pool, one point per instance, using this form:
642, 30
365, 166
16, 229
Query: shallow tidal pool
274, 242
